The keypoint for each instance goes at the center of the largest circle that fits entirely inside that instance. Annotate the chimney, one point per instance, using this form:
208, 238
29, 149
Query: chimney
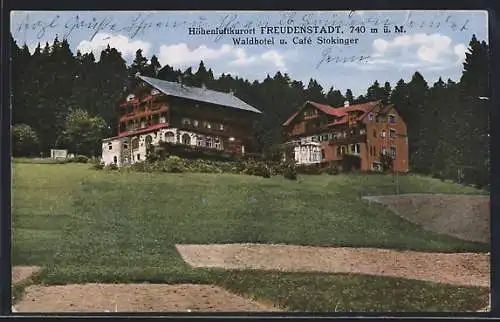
346, 104
137, 74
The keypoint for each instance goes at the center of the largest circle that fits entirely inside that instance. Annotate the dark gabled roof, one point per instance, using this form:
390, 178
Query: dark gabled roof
198, 94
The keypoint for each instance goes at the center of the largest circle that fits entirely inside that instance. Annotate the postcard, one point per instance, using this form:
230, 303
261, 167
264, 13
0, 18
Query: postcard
250, 161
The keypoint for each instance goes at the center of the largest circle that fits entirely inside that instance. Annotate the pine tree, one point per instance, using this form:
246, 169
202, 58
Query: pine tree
334, 97
349, 96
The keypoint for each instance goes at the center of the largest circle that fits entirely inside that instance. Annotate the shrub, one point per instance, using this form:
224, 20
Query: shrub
290, 171
351, 162
98, 165
309, 169
173, 164
80, 159
257, 168
111, 167
332, 169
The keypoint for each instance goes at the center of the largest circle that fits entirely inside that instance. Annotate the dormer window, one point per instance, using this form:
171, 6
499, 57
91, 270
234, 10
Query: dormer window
130, 97
155, 92
370, 116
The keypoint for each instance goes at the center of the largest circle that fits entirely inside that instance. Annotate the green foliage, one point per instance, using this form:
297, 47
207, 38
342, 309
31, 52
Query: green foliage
309, 169
290, 171
332, 169
24, 141
387, 162
82, 132
98, 165
111, 167
80, 159
351, 162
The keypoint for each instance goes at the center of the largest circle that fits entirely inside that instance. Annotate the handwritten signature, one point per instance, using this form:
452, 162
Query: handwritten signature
141, 23
327, 57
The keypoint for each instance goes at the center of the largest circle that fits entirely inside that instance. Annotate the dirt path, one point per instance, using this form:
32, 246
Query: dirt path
135, 298
466, 269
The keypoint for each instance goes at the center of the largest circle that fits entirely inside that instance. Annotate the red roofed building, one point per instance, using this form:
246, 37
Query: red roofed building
322, 134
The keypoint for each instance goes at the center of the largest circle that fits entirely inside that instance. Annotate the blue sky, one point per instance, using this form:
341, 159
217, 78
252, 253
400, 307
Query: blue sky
434, 42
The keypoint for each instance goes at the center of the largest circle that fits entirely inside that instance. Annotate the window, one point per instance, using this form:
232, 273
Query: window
149, 140
209, 142
135, 143
125, 145
221, 127
325, 137
370, 117
392, 118
322, 154
170, 137
392, 133
393, 152
186, 139
374, 151
217, 143
353, 148
374, 133
186, 121
343, 150
207, 125
383, 150
200, 140
357, 148
110, 146
195, 123
138, 157
115, 159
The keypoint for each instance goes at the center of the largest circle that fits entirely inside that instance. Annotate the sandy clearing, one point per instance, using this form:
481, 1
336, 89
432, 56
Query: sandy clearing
467, 269
462, 216
135, 298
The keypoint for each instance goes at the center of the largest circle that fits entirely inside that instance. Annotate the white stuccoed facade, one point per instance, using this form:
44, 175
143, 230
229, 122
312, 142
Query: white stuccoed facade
123, 151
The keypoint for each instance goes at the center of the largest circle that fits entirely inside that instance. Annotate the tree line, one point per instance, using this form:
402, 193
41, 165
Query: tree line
66, 100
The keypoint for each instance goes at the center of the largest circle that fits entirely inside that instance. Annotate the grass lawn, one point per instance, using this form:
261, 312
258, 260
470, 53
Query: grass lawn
83, 225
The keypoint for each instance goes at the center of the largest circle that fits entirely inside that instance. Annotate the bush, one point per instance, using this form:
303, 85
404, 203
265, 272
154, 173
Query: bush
80, 159
332, 169
351, 162
309, 169
98, 165
111, 167
173, 164
257, 168
290, 171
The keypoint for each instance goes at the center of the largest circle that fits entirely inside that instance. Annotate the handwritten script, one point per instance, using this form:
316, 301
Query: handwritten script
135, 25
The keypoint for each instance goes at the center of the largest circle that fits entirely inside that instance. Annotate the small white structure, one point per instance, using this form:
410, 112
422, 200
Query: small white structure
58, 154
308, 153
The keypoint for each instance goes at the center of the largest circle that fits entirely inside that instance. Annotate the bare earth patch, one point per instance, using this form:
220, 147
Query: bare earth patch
135, 298
462, 216
21, 273
467, 269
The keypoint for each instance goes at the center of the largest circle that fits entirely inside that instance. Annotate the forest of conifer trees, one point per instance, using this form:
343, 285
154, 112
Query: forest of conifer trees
62, 99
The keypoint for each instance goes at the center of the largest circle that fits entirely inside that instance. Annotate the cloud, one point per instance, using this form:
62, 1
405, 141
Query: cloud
121, 43
419, 51
241, 58
274, 57
182, 55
